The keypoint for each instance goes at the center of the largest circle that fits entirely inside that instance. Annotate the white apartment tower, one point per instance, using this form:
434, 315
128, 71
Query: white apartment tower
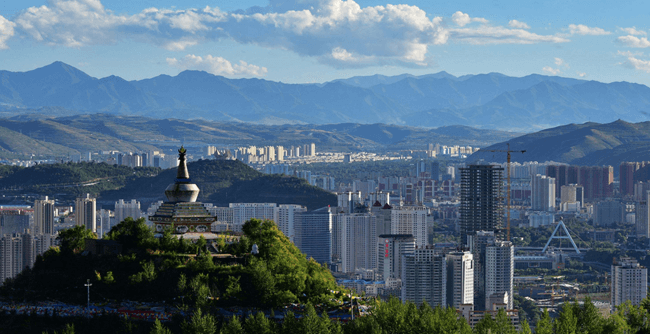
245, 211
285, 216
460, 279
629, 282
499, 271
44, 216
410, 220
86, 212
543, 193
357, 237
127, 209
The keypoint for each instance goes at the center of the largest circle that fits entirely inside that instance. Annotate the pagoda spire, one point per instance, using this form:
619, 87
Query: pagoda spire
182, 175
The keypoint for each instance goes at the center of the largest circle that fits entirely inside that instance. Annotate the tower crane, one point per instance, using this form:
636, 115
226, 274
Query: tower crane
508, 151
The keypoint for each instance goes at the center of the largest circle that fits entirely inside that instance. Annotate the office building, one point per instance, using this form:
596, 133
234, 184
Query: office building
629, 282
481, 199
85, 212
44, 216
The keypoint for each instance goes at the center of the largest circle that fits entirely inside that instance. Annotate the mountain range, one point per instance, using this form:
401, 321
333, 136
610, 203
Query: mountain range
45, 136
490, 101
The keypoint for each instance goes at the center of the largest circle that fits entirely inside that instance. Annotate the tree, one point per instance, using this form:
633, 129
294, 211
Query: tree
567, 323
504, 325
545, 324
73, 240
200, 324
525, 328
258, 324
233, 327
132, 234
158, 328
589, 320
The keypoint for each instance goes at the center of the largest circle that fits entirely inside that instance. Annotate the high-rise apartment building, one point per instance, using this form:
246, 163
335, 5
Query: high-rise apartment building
44, 216
481, 199
127, 209
626, 177
629, 282
245, 211
391, 250
285, 218
460, 279
424, 277
572, 194
542, 193
499, 271
478, 242
314, 234
86, 212
355, 241
642, 218
410, 220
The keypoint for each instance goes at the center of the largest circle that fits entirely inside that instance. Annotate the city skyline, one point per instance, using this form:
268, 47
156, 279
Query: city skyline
318, 41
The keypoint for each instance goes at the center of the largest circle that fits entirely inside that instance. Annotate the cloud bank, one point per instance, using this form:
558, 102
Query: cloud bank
335, 32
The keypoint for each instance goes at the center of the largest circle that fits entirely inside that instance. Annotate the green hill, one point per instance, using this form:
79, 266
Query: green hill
221, 182
69, 180
580, 144
228, 181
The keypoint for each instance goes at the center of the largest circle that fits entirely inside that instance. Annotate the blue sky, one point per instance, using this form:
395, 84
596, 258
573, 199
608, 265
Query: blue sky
300, 41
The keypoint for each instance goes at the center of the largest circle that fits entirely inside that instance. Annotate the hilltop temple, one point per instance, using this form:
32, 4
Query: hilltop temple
188, 218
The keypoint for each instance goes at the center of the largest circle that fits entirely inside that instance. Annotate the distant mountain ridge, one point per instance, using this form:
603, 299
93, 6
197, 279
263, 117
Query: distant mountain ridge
588, 144
491, 101
40, 136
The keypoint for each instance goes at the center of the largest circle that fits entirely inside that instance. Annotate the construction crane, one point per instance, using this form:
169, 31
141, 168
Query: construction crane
508, 151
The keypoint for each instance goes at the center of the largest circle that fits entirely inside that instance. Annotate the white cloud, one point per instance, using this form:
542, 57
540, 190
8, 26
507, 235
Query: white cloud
501, 35
6, 31
633, 41
634, 62
335, 32
561, 62
633, 31
581, 29
581, 74
462, 19
552, 71
641, 65
217, 66
518, 24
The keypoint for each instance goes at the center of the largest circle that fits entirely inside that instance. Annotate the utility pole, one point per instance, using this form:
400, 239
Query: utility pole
88, 285
508, 151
